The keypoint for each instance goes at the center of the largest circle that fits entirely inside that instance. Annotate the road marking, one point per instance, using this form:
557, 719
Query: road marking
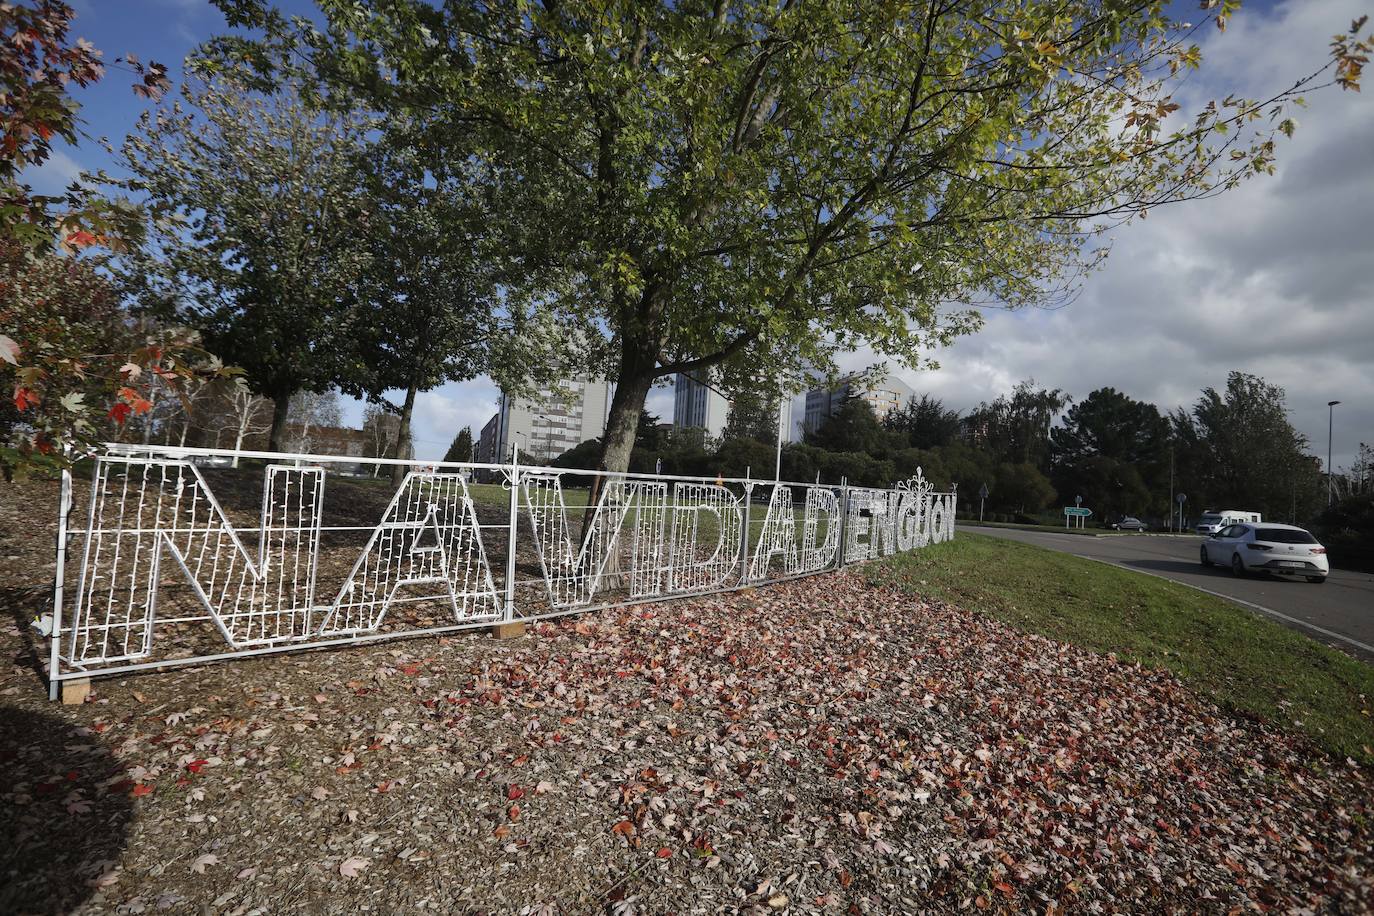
1250, 604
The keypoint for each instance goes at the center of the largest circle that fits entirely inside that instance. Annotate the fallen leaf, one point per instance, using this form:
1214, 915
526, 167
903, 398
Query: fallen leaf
353, 866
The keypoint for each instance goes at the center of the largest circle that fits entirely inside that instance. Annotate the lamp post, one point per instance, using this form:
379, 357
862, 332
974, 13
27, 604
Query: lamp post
784, 409
1330, 422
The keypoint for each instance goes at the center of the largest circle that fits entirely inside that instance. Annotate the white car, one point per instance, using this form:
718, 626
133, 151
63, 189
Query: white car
1283, 550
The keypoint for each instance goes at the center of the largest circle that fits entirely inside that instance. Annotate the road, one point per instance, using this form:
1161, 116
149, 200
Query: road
1339, 613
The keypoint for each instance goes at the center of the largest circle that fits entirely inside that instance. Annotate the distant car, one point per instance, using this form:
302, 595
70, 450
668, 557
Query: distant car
1283, 550
1210, 522
1130, 523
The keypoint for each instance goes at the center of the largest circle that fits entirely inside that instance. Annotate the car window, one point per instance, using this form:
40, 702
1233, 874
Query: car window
1284, 536
1239, 531
1223, 532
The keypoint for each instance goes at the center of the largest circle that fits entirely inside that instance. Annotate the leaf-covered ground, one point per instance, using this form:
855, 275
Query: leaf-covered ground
816, 745
823, 745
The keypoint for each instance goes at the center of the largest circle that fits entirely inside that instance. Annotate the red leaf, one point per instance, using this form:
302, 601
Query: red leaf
195, 766
25, 398
120, 412
514, 813
514, 792
624, 828
81, 238
141, 789
664, 853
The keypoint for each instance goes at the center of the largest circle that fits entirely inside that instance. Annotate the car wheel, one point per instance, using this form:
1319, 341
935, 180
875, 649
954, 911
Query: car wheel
1316, 580
1237, 565
1205, 560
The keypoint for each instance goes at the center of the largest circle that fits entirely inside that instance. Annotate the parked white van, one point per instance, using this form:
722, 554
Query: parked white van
1209, 523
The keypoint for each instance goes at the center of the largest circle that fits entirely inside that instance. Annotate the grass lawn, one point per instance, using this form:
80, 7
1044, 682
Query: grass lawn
1249, 666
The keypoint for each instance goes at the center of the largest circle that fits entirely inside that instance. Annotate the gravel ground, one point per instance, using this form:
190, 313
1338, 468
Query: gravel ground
819, 745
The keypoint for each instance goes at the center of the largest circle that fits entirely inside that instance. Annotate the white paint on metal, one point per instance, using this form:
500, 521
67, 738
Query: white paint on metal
648, 537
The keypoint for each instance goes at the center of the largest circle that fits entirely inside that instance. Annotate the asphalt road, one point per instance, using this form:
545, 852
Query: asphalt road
1339, 612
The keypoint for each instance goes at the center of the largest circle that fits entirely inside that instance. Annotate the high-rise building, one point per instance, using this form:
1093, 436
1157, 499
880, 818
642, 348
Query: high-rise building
558, 417
698, 406
883, 393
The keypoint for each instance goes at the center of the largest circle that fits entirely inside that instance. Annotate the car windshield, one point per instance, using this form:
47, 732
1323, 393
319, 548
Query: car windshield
1284, 536
1209, 520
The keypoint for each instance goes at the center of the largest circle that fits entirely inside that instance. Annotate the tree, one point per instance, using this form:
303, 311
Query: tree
381, 427
78, 367
69, 356
923, 423
780, 182
425, 312
39, 66
1110, 487
248, 415
309, 410
1112, 450
254, 238
1016, 429
1362, 471
853, 427
1021, 488
461, 448
1113, 425
1242, 452
753, 415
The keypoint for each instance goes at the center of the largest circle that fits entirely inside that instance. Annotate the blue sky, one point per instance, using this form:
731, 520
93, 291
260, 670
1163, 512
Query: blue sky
1272, 279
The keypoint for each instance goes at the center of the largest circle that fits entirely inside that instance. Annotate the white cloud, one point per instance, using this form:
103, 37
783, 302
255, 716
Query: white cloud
1273, 278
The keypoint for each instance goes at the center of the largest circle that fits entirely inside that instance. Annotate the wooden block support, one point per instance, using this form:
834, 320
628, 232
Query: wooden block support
75, 692
513, 630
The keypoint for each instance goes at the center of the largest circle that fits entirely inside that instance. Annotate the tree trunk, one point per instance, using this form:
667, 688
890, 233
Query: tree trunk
398, 471
281, 404
636, 377
622, 421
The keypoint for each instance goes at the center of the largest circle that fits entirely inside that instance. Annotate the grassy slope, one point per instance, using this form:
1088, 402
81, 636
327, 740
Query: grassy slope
1248, 665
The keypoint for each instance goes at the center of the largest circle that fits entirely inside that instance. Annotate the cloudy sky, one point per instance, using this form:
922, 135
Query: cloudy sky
1275, 279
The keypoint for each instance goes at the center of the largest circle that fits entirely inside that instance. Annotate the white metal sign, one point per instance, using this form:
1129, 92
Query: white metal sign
154, 525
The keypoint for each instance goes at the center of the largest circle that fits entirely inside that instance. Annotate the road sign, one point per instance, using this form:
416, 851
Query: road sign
1182, 497
1078, 512
983, 492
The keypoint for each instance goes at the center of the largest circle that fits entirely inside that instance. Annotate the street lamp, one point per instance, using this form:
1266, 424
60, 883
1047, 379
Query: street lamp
1330, 420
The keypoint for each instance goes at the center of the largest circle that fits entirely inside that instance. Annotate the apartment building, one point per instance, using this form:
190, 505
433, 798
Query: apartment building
556, 418
697, 406
884, 394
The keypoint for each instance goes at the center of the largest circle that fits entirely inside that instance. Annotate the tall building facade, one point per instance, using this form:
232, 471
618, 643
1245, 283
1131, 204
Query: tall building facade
883, 393
558, 417
698, 406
